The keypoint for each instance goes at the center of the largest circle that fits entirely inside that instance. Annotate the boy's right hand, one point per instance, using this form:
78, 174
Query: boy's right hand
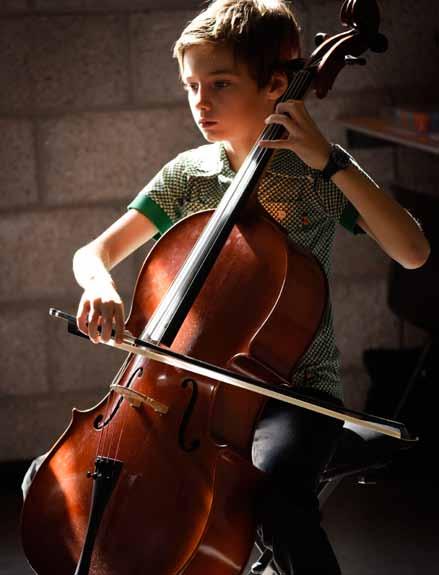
101, 305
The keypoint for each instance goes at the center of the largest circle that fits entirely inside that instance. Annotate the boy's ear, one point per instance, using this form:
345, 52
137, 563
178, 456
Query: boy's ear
277, 85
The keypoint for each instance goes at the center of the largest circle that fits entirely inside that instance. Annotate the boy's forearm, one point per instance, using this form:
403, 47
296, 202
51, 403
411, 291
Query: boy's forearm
89, 267
392, 227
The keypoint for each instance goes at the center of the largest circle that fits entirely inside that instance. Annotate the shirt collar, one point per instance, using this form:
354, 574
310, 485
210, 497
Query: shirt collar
224, 166
283, 162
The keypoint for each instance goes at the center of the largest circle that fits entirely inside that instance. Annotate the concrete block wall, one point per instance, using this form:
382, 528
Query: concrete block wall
90, 110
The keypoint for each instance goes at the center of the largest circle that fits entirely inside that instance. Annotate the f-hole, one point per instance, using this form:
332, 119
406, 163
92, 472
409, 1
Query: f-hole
186, 417
98, 423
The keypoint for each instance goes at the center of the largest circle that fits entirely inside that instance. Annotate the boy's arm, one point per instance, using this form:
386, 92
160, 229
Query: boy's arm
151, 213
100, 303
390, 225
383, 219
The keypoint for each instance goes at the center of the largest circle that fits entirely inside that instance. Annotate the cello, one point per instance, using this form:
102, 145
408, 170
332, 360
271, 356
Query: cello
172, 489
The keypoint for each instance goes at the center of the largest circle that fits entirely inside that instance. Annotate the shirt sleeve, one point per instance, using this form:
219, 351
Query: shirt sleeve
161, 199
335, 203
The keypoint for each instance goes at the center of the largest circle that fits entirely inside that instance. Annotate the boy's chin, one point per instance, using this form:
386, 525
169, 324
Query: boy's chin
214, 135
211, 138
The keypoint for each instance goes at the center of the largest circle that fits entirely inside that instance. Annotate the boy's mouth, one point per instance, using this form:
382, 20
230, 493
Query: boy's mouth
206, 123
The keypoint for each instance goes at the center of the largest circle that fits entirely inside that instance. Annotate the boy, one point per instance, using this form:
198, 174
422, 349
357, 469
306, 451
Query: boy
231, 61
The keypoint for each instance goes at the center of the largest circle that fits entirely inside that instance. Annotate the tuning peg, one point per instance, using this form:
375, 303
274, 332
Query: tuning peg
379, 43
352, 60
319, 38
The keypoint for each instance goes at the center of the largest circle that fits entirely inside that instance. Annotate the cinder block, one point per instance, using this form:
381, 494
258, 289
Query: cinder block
30, 428
17, 164
340, 103
80, 61
15, 52
40, 247
100, 157
12, 6
402, 63
151, 5
357, 257
23, 341
301, 12
155, 72
112, 5
75, 363
57, 6
362, 319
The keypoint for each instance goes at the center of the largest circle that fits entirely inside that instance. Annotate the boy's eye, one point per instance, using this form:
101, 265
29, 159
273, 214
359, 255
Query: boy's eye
190, 87
222, 84
218, 84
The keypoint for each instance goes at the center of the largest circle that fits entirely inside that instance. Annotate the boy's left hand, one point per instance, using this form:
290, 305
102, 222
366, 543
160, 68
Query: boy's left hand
302, 134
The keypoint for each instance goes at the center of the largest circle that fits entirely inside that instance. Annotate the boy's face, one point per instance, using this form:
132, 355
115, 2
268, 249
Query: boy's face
225, 101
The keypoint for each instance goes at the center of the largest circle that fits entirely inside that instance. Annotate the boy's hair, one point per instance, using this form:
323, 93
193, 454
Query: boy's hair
263, 34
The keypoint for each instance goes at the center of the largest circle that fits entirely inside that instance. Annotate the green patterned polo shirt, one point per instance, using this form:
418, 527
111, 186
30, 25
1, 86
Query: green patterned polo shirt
294, 194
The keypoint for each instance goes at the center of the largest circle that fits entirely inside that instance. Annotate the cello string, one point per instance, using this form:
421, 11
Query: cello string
102, 435
106, 435
122, 410
124, 407
103, 439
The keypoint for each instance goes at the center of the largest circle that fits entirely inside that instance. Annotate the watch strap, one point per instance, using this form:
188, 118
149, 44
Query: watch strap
333, 166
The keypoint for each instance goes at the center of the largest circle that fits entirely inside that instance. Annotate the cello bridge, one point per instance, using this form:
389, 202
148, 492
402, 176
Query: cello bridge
136, 399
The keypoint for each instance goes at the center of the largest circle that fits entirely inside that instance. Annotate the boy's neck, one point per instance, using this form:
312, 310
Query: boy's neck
237, 152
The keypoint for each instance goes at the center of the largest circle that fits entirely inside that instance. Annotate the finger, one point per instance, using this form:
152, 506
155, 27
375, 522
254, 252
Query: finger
119, 319
291, 105
93, 322
295, 109
286, 122
82, 316
281, 119
107, 313
300, 113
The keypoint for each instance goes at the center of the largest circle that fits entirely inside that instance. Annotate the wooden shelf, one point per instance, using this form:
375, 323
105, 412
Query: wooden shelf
384, 130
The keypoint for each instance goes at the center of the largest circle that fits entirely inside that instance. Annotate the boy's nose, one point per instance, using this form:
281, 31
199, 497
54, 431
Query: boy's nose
203, 105
202, 101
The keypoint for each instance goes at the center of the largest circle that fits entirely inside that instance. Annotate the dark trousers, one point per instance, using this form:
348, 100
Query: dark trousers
293, 445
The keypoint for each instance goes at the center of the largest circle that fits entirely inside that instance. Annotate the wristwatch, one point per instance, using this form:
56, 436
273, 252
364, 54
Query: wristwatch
338, 160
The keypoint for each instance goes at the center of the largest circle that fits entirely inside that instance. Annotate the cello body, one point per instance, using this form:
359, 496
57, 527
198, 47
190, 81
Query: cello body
185, 499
